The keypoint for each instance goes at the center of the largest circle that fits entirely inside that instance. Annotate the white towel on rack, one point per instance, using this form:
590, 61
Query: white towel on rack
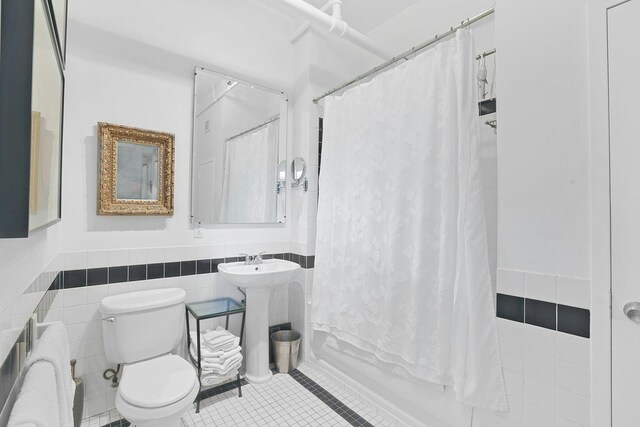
53, 348
213, 379
36, 406
219, 342
221, 368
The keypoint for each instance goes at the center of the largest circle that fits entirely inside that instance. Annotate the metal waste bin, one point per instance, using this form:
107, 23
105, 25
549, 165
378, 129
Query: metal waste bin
285, 350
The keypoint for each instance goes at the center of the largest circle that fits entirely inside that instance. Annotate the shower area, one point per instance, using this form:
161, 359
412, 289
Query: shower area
385, 293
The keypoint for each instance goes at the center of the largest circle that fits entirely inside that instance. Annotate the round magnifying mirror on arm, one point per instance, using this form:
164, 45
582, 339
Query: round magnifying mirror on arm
298, 173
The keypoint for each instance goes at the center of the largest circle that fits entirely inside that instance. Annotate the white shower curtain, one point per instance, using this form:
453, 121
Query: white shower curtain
402, 269
250, 177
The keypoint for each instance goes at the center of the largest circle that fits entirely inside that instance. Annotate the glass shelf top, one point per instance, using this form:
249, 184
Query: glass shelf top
214, 308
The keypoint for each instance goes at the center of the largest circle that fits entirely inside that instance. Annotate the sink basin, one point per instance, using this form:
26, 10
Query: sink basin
258, 280
269, 274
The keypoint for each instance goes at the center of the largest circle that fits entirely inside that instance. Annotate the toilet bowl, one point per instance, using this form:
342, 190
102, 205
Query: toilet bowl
140, 330
157, 392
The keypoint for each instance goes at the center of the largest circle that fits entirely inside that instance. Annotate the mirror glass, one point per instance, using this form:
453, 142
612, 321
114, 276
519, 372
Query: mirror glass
239, 146
298, 169
138, 174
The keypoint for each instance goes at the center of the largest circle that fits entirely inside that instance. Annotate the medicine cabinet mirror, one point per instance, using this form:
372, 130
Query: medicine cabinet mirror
239, 162
31, 116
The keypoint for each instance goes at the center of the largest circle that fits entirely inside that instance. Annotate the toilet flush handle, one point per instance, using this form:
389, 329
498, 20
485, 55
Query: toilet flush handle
109, 319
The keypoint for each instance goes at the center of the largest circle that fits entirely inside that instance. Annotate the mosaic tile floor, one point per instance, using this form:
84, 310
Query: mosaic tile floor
303, 398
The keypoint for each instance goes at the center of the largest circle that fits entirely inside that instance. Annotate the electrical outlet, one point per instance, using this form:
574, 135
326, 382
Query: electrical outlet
198, 233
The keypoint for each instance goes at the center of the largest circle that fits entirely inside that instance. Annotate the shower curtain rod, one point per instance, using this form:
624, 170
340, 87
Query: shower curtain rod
272, 119
409, 52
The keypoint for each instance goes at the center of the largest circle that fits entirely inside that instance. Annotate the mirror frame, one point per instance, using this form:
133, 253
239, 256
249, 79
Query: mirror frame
108, 204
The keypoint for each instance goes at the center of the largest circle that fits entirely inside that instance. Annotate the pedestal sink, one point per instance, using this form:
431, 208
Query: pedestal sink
258, 280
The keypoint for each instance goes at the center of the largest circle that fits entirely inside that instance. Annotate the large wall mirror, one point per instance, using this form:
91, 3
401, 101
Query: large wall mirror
239, 149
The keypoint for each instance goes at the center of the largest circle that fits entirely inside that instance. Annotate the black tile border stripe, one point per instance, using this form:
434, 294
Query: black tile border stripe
133, 273
349, 415
556, 317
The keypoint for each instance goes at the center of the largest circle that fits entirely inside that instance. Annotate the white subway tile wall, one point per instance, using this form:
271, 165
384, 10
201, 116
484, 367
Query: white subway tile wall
78, 307
547, 372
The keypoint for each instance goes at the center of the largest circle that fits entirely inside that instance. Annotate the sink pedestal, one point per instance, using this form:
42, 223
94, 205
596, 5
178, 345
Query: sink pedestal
257, 333
258, 280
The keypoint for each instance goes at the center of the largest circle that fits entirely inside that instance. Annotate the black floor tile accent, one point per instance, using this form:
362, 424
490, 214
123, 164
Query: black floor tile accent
351, 416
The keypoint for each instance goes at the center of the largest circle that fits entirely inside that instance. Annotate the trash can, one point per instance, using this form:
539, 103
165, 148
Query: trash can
285, 350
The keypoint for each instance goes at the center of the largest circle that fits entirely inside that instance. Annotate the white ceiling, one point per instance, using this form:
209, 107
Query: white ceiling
365, 15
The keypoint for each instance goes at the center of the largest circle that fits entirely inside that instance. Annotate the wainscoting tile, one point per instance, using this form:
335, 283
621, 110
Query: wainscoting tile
540, 340
541, 287
118, 257
137, 272
97, 259
155, 271
510, 282
74, 278
171, 269
574, 292
573, 320
203, 266
510, 307
187, 268
118, 274
97, 276
540, 313
214, 264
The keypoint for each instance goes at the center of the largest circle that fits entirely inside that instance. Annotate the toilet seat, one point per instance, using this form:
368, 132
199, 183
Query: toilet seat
157, 382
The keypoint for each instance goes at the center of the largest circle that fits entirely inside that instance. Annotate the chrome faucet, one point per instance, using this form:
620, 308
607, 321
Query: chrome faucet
252, 259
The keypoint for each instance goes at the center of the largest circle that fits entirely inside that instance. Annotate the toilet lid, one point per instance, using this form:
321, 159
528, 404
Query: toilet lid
157, 382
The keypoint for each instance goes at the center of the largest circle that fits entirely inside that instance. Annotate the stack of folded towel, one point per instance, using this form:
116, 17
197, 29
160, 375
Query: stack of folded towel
219, 352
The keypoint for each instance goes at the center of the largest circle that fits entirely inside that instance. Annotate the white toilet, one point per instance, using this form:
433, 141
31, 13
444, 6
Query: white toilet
140, 330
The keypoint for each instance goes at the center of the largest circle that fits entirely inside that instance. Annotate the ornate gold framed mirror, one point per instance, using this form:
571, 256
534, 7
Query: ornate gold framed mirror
136, 171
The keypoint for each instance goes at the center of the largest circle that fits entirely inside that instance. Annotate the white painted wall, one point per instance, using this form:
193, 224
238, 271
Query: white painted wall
21, 262
543, 187
122, 72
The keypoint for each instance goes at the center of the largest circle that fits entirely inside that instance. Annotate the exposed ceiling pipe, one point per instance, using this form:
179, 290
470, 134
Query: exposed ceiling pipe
337, 25
304, 27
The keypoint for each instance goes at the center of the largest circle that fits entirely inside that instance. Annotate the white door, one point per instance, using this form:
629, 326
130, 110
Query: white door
624, 104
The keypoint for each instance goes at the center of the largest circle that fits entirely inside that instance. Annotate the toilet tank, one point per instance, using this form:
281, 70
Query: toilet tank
141, 325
